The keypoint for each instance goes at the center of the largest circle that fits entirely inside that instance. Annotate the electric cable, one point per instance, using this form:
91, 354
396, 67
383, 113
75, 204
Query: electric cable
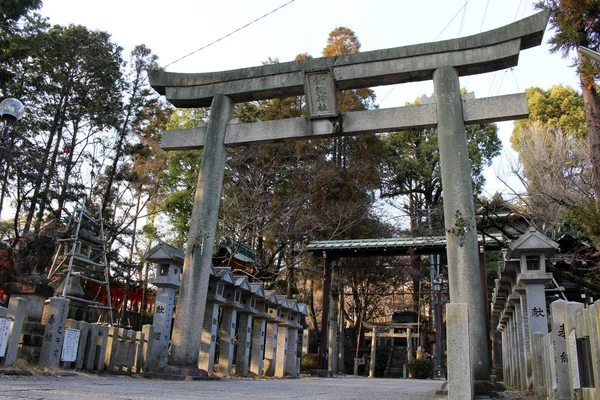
229, 34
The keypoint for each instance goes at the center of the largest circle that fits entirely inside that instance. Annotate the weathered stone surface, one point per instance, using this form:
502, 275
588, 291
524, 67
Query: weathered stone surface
185, 343
208, 339
16, 312
561, 386
242, 360
498, 108
464, 275
486, 52
460, 373
258, 347
56, 317
227, 339
270, 361
163, 316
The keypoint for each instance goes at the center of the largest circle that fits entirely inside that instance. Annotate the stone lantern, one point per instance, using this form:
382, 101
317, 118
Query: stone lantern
533, 249
531, 252
168, 262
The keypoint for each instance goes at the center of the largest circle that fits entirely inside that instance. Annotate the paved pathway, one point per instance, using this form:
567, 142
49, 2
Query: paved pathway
95, 387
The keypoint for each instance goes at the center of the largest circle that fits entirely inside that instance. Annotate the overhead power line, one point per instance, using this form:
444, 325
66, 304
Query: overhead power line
231, 33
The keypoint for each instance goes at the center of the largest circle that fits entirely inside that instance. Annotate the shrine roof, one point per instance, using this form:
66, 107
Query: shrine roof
392, 246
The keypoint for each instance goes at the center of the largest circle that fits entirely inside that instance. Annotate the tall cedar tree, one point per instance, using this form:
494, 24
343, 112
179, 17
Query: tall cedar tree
577, 23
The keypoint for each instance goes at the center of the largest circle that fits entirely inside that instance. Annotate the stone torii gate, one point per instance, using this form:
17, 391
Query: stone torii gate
319, 79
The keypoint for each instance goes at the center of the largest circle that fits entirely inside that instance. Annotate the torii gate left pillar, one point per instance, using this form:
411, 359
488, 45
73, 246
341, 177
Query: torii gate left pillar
185, 343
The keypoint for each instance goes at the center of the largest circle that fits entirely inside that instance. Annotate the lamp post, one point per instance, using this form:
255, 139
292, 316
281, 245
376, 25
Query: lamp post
11, 110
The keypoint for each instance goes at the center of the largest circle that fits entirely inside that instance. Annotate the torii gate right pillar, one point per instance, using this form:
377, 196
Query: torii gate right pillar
464, 277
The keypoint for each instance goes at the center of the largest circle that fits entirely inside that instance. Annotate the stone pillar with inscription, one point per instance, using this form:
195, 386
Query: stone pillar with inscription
520, 336
227, 339
242, 359
282, 350
257, 362
561, 310
208, 339
163, 317
168, 262
532, 249
271, 348
292, 352
305, 341
55, 318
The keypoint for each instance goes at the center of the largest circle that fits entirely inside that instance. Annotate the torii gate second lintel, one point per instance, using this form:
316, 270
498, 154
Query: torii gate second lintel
443, 62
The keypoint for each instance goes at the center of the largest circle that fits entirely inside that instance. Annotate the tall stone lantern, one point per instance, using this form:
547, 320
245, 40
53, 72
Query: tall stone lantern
533, 250
168, 262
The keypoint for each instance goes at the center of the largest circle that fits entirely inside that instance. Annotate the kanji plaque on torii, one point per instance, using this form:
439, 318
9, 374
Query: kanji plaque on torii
443, 62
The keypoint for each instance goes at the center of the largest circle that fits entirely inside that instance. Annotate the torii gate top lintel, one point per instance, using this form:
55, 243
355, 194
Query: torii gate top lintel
485, 52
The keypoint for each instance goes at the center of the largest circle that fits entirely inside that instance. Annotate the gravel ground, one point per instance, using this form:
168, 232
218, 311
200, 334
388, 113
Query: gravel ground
109, 387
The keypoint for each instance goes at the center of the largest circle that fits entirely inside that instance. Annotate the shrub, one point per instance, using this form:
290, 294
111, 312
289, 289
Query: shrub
419, 368
310, 362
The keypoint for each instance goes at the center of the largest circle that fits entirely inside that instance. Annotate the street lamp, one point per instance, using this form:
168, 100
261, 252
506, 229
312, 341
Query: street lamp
11, 110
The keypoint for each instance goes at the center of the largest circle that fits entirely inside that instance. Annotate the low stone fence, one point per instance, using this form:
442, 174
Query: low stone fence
11, 324
67, 343
566, 362
108, 348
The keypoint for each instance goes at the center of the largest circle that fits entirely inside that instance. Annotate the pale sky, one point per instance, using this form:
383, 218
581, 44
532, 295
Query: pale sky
175, 28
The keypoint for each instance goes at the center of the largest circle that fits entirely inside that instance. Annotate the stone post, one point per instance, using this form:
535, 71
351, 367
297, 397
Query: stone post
148, 331
84, 329
242, 359
459, 214
561, 310
227, 339
91, 348
505, 358
257, 364
460, 373
342, 330
185, 344
209, 337
163, 317
103, 346
537, 363
373, 353
323, 347
291, 367
519, 322
409, 344
510, 377
332, 339
54, 331
271, 348
305, 340
515, 360
16, 312
112, 343
282, 351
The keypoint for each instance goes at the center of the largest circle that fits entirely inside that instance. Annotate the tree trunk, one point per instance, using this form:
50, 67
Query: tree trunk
58, 118
592, 115
67, 175
49, 176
